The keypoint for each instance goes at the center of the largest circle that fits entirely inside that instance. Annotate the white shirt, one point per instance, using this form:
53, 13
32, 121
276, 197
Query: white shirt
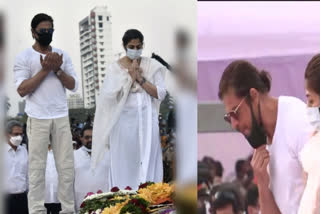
51, 180
286, 174
85, 181
16, 169
49, 100
310, 202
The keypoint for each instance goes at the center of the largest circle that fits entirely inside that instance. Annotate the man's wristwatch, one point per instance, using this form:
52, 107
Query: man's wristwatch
142, 81
58, 73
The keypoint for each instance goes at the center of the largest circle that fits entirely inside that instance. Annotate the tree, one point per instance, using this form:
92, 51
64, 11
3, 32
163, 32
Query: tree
81, 115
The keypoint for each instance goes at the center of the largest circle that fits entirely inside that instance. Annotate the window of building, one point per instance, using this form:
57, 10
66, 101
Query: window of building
102, 56
100, 37
101, 43
101, 30
107, 18
100, 18
100, 25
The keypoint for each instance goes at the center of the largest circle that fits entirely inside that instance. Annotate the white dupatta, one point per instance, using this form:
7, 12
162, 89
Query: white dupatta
113, 95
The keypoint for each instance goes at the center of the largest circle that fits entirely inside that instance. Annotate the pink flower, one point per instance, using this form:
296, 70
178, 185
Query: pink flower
99, 191
89, 193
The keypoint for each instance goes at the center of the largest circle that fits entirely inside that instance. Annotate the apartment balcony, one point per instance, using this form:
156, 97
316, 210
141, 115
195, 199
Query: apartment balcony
84, 32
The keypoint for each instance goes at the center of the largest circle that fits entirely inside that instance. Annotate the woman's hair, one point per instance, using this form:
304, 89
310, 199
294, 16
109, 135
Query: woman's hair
130, 35
312, 74
241, 76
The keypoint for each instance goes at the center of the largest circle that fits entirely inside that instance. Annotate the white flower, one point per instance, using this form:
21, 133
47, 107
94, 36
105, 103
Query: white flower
102, 195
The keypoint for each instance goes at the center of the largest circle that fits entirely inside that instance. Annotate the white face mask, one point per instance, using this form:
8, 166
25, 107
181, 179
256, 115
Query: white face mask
134, 54
313, 114
16, 141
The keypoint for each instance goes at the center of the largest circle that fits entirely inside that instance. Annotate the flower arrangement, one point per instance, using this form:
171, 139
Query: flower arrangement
149, 198
157, 193
94, 202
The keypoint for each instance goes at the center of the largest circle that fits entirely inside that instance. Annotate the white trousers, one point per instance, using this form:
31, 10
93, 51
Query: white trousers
40, 133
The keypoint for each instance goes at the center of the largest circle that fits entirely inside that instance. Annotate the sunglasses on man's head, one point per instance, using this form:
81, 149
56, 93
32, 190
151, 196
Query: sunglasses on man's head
234, 113
44, 30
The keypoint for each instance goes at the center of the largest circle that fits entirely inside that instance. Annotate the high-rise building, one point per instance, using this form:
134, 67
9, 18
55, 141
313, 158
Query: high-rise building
96, 52
75, 101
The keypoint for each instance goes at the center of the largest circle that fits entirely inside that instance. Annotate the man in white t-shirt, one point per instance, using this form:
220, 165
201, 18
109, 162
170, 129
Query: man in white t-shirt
42, 75
276, 127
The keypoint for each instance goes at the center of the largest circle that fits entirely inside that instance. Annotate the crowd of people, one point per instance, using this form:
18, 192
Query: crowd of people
236, 195
16, 166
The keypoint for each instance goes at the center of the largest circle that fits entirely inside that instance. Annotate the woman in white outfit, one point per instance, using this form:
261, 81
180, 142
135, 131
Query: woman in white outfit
126, 118
310, 155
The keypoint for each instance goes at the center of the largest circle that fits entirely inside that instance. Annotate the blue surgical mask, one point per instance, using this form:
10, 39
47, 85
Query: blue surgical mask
134, 54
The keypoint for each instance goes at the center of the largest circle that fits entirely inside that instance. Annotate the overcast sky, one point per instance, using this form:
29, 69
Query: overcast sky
157, 20
246, 29
258, 17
